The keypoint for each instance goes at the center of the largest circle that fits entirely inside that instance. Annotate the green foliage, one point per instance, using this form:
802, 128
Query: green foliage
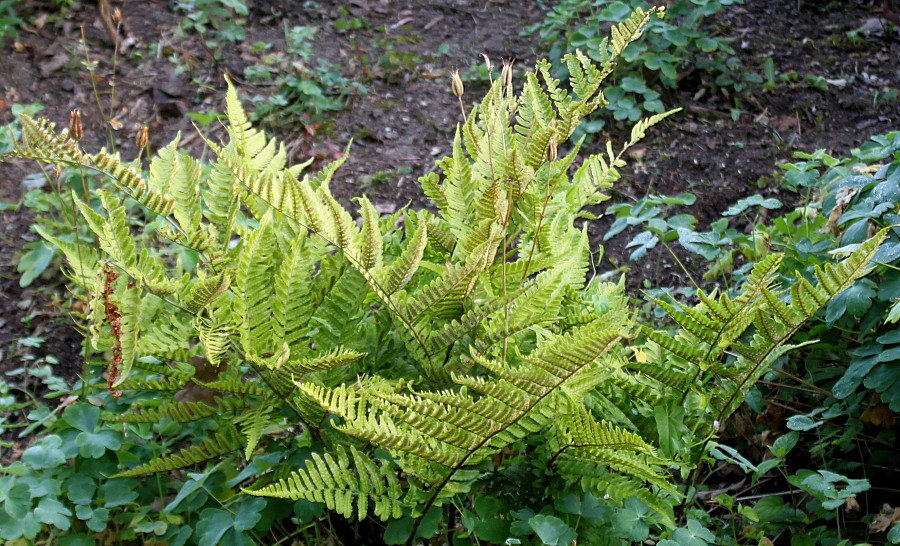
452, 363
9, 19
650, 65
305, 84
847, 382
216, 21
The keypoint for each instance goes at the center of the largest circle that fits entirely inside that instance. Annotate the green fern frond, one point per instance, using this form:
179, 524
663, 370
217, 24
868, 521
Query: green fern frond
332, 323
345, 484
336, 357
214, 336
165, 384
204, 290
82, 258
252, 288
129, 326
370, 243
398, 273
252, 423
293, 301
232, 385
222, 443
630, 29
181, 412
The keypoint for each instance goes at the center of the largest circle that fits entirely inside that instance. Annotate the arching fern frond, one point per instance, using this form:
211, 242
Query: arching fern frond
347, 484
222, 443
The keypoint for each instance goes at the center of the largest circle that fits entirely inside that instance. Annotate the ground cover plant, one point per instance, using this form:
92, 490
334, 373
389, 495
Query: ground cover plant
452, 355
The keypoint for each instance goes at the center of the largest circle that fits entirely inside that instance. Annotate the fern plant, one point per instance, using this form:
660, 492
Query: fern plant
423, 360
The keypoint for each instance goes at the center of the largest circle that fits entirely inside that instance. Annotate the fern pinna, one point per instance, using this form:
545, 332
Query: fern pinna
424, 363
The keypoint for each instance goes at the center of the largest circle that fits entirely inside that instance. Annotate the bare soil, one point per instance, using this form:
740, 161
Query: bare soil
405, 120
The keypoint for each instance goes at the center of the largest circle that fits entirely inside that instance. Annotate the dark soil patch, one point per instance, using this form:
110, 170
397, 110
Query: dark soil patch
406, 118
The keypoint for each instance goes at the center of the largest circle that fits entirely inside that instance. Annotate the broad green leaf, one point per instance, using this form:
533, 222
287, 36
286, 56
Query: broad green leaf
80, 489
802, 423
430, 522
18, 500
398, 530
859, 368
551, 530
752, 201
34, 262
247, 514
492, 530
46, 453
631, 523
95, 518
94, 444
53, 512
82, 416
12, 528
77, 539
212, 525
118, 492
784, 444
486, 506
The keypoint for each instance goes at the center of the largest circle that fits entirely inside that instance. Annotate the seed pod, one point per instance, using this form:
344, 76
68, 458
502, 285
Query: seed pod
506, 74
75, 128
456, 84
487, 63
551, 148
552, 143
57, 171
117, 15
141, 138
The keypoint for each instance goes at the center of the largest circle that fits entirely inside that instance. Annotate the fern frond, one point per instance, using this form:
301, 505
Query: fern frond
630, 29
396, 275
129, 327
81, 257
168, 384
222, 443
181, 412
345, 483
253, 422
293, 302
253, 290
370, 244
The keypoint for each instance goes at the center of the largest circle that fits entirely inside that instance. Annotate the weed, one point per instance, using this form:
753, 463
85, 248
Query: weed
304, 84
216, 21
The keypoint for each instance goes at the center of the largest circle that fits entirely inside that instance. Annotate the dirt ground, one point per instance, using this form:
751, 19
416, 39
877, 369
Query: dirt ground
405, 120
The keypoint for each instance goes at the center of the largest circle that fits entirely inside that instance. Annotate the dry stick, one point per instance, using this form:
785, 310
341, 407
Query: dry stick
783, 386
806, 384
764, 495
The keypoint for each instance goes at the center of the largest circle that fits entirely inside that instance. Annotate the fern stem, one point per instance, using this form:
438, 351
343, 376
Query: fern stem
681, 265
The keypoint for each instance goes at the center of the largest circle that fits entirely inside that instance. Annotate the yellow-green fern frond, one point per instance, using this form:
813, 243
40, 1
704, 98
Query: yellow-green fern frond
345, 483
398, 273
253, 422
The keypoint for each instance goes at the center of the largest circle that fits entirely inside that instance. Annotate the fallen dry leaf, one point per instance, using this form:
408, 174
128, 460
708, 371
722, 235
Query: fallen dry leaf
842, 199
885, 519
